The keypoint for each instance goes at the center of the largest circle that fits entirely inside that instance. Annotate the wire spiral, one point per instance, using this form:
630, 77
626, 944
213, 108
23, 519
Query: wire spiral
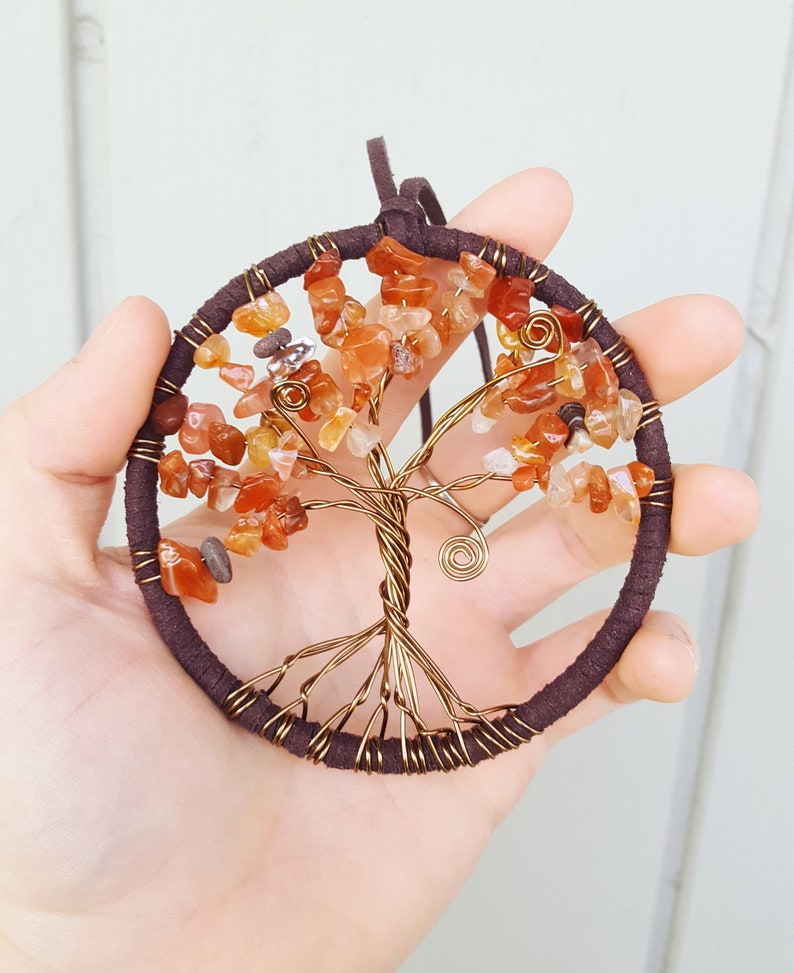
463, 557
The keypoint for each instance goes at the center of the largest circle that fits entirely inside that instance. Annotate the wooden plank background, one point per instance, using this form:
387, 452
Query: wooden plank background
160, 148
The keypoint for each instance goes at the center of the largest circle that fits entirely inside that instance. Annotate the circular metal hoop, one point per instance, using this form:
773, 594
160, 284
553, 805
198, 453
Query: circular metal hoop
443, 750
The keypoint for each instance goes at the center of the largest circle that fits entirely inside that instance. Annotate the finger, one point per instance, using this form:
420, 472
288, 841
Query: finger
528, 210
68, 438
660, 663
543, 552
680, 343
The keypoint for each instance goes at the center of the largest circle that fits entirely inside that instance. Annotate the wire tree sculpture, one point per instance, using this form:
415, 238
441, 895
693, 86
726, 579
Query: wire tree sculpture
553, 367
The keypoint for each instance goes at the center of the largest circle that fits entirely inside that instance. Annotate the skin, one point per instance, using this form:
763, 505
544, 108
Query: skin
138, 829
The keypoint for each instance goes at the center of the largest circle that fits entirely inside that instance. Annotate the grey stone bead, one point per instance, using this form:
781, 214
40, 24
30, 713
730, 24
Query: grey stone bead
273, 342
216, 557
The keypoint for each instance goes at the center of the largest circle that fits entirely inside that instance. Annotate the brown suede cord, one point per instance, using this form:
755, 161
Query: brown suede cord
403, 216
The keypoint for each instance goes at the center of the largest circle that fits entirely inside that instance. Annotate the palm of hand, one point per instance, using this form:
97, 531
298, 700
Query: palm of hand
144, 801
139, 827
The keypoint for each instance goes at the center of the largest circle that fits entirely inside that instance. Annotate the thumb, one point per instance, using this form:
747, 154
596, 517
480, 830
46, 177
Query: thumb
62, 444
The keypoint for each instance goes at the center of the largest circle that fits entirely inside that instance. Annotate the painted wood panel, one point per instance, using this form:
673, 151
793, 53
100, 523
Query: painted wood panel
38, 259
738, 902
739, 857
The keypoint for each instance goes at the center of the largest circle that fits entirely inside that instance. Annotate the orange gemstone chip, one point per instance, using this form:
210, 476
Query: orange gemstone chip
389, 256
183, 573
262, 315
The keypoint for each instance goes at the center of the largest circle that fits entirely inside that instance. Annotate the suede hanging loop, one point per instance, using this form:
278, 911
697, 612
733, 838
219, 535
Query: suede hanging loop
405, 214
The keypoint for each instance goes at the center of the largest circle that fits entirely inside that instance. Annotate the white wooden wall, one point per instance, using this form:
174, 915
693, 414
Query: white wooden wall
161, 147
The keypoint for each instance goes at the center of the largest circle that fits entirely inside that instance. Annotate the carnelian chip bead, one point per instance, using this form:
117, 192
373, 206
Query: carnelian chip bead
194, 433
326, 299
579, 478
509, 340
240, 377
541, 374
478, 271
508, 300
259, 441
354, 314
284, 456
624, 494
543, 474
183, 573
335, 336
524, 478
326, 396
212, 352
227, 443
361, 397
506, 364
307, 414
534, 392
458, 278
262, 315
223, 489
257, 492
427, 342
462, 314
168, 415
571, 377
571, 322
256, 399
362, 438
389, 256
601, 381
407, 289
600, 494
200, 473
473, 275
441, 324
295, 517
402, 321
307, 372
492, 405
245, 535
333, 430
525, 451
480, 424
280, 423
601, 422
549, 432
559, 492
303, 470
365, 354
643, 477
328, 264
629, 414
174, 474
274, 535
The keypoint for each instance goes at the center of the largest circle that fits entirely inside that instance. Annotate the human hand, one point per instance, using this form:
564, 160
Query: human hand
140, 829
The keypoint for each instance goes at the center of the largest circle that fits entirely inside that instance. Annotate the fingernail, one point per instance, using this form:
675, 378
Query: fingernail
106, 328
679, 632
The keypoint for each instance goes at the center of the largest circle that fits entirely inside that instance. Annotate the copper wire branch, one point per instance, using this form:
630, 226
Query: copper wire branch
392, 684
